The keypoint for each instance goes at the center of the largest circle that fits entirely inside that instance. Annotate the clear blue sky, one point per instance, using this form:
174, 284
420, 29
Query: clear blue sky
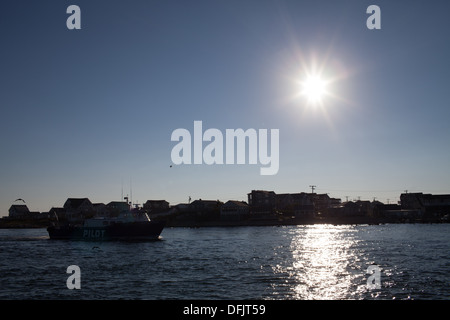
87, 111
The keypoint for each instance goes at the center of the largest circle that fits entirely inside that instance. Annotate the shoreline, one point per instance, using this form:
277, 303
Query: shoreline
27, 224
225, 224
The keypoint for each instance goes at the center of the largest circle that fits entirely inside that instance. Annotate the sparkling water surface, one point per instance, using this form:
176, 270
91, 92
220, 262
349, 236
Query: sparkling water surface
292, 262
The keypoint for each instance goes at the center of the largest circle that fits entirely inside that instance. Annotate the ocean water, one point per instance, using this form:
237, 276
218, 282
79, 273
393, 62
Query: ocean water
293, 262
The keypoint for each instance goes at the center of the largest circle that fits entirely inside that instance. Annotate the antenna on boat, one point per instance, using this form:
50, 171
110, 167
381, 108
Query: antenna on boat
131, 193
122, 191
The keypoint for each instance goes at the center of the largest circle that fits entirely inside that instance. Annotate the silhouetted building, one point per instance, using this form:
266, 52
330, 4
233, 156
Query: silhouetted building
205, 205
295, 204
19, 211
116, 207
57, 213
78, 208
156, 206
100, 209
262, 202
429, 205
205, 210
322, 202
234, 211
350, 209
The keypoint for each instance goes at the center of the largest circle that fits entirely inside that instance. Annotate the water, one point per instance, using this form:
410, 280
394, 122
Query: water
294, 262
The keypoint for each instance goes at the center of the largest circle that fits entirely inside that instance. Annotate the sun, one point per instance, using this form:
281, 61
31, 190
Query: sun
314, 88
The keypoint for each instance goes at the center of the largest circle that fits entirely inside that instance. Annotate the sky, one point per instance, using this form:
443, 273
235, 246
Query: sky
90, 112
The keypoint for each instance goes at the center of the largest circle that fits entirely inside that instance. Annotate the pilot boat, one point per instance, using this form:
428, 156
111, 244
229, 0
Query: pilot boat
129, 225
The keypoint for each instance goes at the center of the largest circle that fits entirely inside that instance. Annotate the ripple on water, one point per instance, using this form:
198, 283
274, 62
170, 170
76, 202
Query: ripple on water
295, 262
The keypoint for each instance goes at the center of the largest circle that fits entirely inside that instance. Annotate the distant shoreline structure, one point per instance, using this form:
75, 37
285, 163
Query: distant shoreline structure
32, 224
264, 208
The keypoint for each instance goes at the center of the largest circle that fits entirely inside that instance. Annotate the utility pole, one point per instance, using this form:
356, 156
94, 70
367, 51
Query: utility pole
312, 188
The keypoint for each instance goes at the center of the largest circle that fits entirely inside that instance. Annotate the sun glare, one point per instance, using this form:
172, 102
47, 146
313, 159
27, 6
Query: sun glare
314, 88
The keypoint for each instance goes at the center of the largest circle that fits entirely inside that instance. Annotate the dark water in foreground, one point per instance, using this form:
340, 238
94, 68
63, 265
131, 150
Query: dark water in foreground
294, 262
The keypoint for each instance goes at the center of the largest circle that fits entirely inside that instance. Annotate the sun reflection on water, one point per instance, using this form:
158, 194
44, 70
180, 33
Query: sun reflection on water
324, 263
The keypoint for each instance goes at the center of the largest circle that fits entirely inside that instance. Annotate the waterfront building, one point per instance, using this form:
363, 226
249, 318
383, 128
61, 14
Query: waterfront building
78, 208
116, 207
156, 206
57, 213
234, 210
100, 209
297, 205
322, 202
205, 210
429, 205
19, 211
262, 202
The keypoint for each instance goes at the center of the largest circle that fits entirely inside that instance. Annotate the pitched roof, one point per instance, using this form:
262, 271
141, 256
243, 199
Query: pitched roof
205, 201
238, 203
262, 191
19, 208
75, 203
117, 204
156, 202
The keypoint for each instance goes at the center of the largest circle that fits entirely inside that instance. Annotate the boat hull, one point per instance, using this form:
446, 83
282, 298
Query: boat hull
120, 231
